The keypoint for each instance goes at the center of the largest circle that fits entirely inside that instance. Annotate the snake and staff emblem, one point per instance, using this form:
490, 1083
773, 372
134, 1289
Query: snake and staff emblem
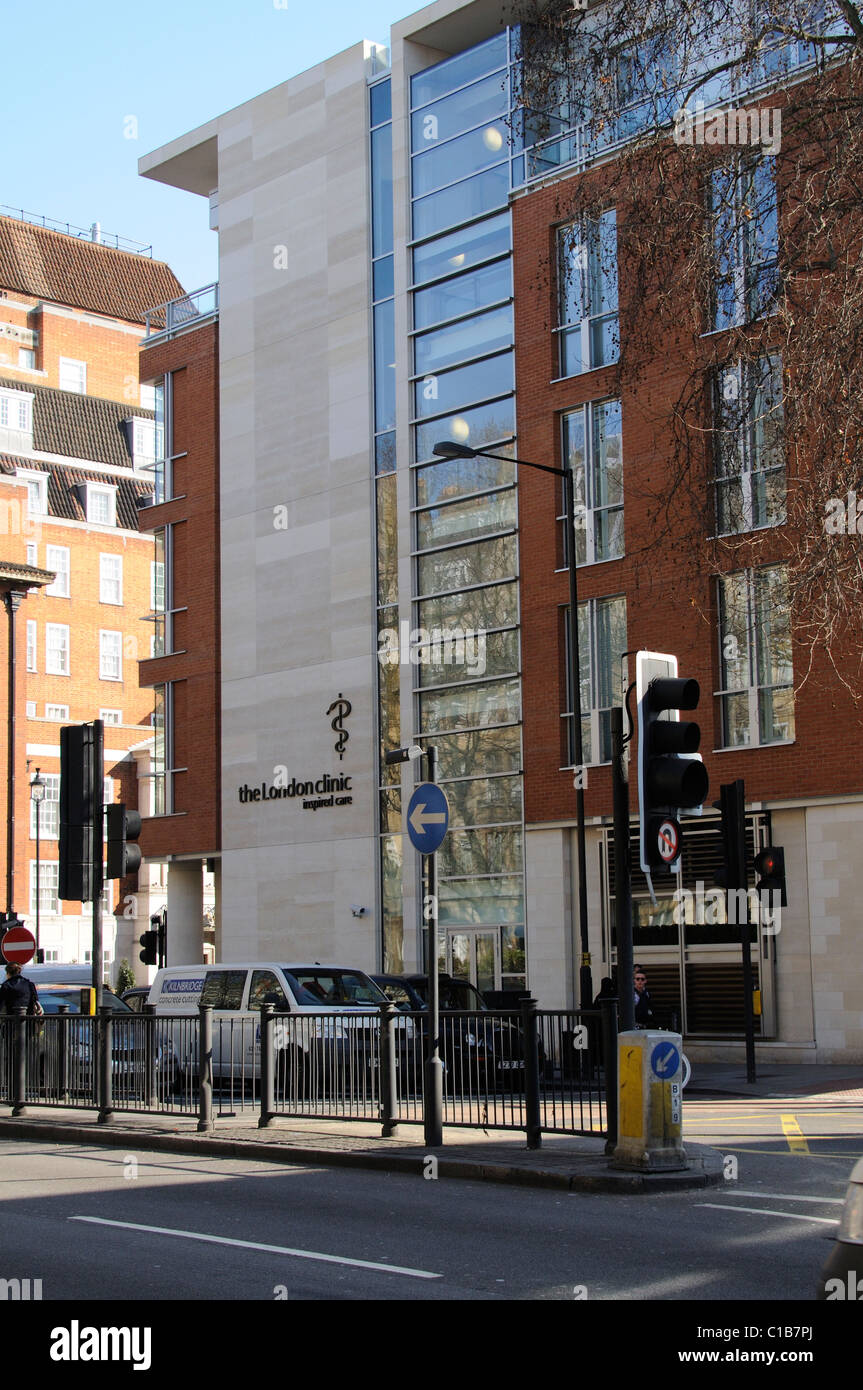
344, 708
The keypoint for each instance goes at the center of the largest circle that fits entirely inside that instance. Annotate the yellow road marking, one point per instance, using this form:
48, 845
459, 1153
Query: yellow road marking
778, 1153
794, 1134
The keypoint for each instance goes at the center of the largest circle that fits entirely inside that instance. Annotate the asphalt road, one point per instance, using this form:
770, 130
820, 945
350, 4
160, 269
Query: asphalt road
94, 1223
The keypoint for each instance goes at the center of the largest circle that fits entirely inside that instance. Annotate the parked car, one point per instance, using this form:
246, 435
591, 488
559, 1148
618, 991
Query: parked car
330, 1045
136, 997
478, 1053
842, 1275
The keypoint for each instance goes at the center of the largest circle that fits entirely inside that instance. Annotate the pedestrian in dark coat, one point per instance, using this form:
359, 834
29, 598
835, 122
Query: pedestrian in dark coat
16, 992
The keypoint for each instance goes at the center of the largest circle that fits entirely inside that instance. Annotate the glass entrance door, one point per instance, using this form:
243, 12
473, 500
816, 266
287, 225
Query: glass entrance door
474, 956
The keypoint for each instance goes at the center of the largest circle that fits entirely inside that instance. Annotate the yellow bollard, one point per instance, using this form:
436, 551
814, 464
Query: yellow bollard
650, 1102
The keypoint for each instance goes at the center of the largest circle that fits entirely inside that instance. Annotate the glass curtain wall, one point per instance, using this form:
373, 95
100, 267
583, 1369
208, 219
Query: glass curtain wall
384, 448
466, 661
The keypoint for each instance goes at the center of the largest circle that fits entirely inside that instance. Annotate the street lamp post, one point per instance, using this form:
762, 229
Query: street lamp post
448, 449
37, 796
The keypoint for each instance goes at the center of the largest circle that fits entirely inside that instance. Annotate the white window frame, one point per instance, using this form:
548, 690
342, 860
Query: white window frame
61, 585
32, 645
40, 482
143, 442
751, 659
72, 367
31, 709
148, 396
49, 885
107, 582
49, 822
593, 710
107, 716
33, 555
104, 654
22, 403
741, 442
61, 712
588, 509
579, 253
26, 360
55, 670
95, 490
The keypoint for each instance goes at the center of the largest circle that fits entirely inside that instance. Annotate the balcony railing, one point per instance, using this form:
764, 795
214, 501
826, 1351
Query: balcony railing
180, 315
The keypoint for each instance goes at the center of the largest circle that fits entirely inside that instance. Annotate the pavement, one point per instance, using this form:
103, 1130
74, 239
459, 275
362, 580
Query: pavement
566, 1162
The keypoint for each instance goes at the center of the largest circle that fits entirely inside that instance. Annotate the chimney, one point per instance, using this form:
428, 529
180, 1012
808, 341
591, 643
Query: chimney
96, 233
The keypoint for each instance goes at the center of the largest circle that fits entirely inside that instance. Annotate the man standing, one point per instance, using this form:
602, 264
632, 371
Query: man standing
18, 993
644, 1016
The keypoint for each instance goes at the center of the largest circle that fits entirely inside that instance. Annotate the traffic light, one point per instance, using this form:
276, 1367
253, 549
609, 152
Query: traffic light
671, 776
770, 874
159, 923
81, 784
124, 827
150, 942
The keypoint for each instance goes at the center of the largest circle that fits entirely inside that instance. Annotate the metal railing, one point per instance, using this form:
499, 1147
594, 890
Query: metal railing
524, 1069
92, 233
187, 311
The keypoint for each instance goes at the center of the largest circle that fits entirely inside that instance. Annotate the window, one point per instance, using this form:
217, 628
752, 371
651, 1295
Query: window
159, 643
111, 716
27, 359
58, 712
143, 442
37, 491
73, 376
756, 695
587, 294
745, 241
31, 709
101, 505
33, 557
110, 579
57, 649
148, 396
111, 656
49, 809
601, 643
32, 638
57, 559
749, 450
16, 411
48, 887
592, 449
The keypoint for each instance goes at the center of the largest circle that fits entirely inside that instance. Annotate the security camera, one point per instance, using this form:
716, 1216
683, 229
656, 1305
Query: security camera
358, 911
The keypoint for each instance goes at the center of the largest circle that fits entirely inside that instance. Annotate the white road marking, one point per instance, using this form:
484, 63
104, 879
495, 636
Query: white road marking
764, 1211
254, 1245
789, 1197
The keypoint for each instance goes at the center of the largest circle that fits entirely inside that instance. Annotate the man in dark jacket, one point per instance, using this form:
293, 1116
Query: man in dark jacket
16, 992
644, 1016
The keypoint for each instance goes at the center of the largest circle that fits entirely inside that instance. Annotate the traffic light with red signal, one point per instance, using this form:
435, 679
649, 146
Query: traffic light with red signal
770, 874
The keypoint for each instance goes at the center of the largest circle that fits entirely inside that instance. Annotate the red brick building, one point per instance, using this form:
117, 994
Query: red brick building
77, 445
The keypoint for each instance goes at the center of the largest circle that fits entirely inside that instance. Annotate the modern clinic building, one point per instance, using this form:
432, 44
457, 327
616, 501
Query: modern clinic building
383, 223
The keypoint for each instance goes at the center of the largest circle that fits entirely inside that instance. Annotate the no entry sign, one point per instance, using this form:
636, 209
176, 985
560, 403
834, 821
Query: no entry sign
18, 945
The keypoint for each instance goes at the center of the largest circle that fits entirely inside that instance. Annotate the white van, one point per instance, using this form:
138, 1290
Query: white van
236, 992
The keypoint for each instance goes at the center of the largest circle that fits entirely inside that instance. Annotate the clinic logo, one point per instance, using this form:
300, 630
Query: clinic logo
343, 708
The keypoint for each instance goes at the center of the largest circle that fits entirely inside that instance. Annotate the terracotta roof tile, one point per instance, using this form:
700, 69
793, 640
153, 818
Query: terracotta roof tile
66, 492
82, 274
81, 427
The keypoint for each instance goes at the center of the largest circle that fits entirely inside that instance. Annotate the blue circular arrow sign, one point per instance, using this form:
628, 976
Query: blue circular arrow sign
428, 818
665, 1060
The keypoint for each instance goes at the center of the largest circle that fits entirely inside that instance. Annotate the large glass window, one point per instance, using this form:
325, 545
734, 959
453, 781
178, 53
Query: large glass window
745, 240
382, 190
601, 643
49, 807
476, 105
49, 886
464, 294
587, 294
749, 445
440, 391
592, 449
469, 520
455, 159
469, 338
461, 201
460, 250
452, 73
485, 424
756, 695
461, 567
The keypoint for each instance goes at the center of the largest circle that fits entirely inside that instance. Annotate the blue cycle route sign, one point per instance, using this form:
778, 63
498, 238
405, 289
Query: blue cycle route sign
428, 818
665, 1060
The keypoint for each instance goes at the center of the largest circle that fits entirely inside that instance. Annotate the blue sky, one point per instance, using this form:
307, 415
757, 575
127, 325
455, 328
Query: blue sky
74, 74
